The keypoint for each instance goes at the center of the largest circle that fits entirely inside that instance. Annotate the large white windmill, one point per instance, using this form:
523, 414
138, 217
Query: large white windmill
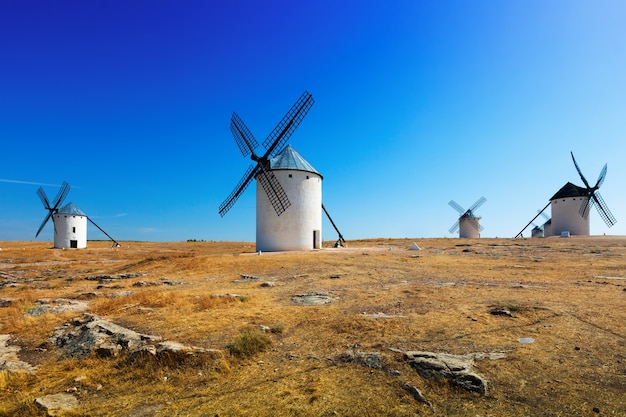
570, 205
70, 223
289, 200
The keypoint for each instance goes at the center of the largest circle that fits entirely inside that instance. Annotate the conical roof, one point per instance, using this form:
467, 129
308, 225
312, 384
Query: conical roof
289, 158
570, 190
71, 208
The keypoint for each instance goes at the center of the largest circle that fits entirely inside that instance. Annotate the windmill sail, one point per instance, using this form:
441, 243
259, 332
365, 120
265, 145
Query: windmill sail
274, 143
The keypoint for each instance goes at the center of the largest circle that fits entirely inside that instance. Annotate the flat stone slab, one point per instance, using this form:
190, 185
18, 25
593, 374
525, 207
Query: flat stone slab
312, 298
56, 306
57, 404
455, 368
91, 333
9, 360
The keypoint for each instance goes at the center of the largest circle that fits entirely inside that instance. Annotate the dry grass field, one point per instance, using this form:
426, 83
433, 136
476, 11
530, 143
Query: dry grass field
568, 295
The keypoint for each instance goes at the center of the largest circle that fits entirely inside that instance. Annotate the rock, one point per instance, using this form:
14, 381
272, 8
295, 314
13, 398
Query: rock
9, 360
267, 284
501, 311
92, 334
312, 298
417, 394
59, 305
173, 353
5, 302
368, 359
56, 404
455, 368
120, 294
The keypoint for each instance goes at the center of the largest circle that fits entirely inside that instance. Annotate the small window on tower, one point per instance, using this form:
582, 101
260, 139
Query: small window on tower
290, 175
73, 230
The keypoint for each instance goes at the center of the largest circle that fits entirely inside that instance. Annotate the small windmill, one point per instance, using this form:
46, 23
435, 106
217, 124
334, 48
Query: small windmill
468, 223
571, 205
70, 223
282, 172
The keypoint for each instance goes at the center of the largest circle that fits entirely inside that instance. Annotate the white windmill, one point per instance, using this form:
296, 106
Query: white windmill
70, 223
289, 200
570, 206
468, 223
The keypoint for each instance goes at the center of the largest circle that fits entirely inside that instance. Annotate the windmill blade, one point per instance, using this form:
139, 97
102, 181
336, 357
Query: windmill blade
239, 189
65, 188
582, 177
601, 177
102, 230
273, 190
477, 204
45, 220
43, 197
276, 140
244, 138
454, 227
457, 207
603, 210
585, 206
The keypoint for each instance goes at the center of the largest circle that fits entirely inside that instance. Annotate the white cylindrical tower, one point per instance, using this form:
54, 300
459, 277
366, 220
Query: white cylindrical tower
469, 227
536, 232
300, 226
565, 206
547, 228
70, 227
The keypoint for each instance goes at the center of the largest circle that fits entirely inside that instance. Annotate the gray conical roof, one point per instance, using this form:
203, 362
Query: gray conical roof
71, 208
289, 158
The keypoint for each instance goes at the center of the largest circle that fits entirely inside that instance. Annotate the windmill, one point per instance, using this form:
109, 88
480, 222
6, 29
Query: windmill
468, 223
287, 181
545, 229
70, 223
571, 205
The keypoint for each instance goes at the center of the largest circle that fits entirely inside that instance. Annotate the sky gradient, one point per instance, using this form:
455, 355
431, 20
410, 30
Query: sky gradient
416, 103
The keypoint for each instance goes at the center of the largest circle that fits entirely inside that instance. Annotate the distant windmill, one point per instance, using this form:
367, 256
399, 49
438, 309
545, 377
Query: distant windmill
468, 223
540, 231
70, 223
571, 205
287, 181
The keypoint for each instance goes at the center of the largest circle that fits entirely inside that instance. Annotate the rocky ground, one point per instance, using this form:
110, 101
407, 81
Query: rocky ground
489, 327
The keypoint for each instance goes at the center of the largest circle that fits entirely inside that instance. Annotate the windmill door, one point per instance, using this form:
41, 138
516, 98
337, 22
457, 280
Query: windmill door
317, 240
73, 243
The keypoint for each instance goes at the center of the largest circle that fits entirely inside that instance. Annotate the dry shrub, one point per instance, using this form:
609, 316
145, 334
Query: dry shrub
248, 343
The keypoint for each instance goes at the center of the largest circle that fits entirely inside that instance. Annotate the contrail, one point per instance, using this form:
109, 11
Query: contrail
28, 182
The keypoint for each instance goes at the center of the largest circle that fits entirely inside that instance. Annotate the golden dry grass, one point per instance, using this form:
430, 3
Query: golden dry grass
566, 294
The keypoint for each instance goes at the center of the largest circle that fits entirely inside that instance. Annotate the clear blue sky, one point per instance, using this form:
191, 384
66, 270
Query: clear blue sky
417, 103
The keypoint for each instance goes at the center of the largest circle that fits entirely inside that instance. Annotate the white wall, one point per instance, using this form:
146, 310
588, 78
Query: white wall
469, 227
566, 216
70, 227
294, 228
